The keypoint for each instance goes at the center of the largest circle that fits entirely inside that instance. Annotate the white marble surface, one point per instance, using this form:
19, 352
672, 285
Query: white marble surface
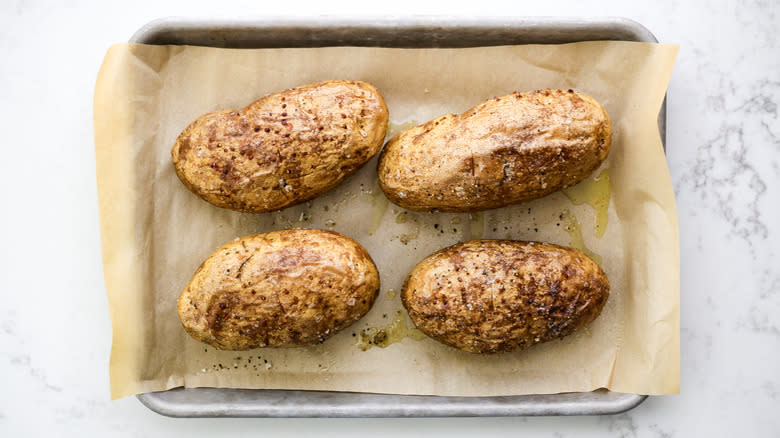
724, 149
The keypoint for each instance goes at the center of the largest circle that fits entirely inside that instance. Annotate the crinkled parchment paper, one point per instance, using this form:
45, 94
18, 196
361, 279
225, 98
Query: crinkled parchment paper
155, 232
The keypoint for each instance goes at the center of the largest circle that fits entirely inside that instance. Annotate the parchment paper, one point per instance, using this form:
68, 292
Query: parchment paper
155, 232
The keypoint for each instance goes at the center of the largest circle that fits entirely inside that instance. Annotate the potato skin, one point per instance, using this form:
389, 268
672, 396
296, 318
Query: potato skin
504, 151
285, 288
492, 296
283, 149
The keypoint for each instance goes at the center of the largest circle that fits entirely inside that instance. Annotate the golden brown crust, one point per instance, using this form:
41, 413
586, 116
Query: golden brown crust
503, 151
491, 296
283, 149
280, 289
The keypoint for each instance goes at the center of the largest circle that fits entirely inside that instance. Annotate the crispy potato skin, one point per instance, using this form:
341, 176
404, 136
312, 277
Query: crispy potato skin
285, 288
283, 149
504, 151
492, 296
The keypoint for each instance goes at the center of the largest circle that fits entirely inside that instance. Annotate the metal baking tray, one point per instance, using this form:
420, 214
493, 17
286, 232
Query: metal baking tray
407, 32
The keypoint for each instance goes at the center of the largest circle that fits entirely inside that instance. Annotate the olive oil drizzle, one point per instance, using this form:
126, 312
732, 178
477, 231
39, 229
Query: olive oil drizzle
477, 224
596, 193
572, 226
380, 204
384, 337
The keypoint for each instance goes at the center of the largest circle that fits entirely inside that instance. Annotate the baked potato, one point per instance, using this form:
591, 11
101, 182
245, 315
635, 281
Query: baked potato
503, 151
285, 288
283, 149
491, 296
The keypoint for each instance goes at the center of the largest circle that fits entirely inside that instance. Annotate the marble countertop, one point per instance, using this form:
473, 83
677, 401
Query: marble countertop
723, 152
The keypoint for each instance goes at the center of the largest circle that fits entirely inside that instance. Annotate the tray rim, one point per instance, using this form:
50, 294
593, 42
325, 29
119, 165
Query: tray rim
409, 406
154, 32
536, 26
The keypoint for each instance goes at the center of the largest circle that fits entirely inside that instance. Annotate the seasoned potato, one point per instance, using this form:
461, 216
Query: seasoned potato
283, 149
491, 296
281, 289
503, 151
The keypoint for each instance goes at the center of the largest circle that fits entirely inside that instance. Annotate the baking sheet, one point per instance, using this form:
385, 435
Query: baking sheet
155, 232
